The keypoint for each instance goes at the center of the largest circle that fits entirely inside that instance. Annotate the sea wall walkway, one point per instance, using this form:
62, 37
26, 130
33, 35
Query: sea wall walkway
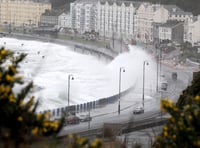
76, 46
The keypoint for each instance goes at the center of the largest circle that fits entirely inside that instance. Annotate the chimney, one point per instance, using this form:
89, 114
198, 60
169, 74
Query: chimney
174, 9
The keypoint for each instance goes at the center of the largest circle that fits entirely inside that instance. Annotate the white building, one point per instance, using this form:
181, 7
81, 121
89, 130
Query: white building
171, 31
115, 19
192, 31
64, 20
175, 13
22, 12
83, 16
147, 14
122, 19
49, 18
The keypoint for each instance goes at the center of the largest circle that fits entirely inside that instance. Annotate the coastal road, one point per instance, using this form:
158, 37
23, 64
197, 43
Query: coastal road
109, 114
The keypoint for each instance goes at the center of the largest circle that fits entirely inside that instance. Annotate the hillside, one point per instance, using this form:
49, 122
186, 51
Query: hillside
61, 3
187, 5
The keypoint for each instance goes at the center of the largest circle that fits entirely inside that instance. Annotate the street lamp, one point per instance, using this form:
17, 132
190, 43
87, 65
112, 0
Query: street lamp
160, 62
120, 71
70, 77
113, 35
89, 118
157, 62
144, 63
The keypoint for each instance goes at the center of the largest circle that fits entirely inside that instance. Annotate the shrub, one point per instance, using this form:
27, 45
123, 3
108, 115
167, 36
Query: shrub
19, 122
183, 127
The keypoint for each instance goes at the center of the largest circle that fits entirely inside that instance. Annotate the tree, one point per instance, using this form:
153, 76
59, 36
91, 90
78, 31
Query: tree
192, 90
19, 122
183, 127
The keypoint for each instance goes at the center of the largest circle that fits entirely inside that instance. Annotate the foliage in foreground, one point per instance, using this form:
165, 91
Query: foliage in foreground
191, 91
20, 125
69, 141
183, 127
80, 142
19, 122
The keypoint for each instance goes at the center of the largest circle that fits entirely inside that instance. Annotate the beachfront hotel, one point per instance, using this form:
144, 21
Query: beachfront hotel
21, 12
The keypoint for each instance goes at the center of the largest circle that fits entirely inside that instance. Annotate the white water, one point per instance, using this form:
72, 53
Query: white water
49, 65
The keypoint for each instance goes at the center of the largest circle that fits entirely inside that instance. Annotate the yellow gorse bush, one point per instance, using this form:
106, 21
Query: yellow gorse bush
35, 131
19, 121
19, 117
96, 143
75, 141
9, 78
182, 128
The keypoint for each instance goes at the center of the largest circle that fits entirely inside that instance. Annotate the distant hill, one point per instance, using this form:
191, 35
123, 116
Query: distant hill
187, 5
61, 3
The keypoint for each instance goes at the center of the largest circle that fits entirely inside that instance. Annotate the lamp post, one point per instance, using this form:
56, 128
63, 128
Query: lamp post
70, 77
104, 29
120, 71
160, 62
157, 62
113, 39
89, 118
144, 63
121, 41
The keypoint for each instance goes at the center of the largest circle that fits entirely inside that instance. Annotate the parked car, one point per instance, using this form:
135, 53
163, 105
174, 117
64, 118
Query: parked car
72, 119
85, 118
138, 110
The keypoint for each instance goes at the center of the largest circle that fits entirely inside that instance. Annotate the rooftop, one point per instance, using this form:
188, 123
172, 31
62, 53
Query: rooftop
119, 3
171, 24
173, 9
52, 12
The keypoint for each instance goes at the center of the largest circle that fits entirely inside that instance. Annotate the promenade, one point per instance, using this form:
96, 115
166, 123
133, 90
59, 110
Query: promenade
71, 43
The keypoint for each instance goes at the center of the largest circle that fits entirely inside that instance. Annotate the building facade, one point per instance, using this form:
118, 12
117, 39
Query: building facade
83, 16
64, 20
175, 13
115, 19
21, 12
148, 15
192, 31
49, 18
172, 31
